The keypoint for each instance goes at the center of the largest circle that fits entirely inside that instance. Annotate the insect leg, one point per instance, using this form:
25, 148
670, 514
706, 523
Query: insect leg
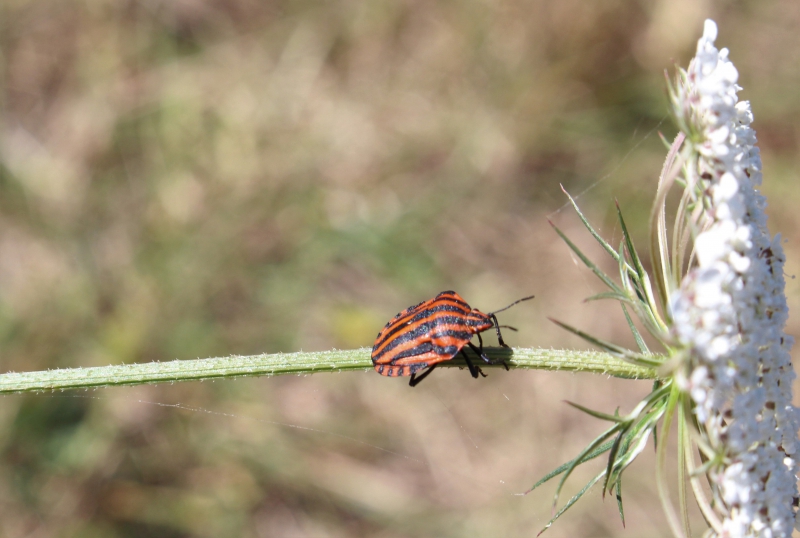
497, 328
416, 380
479, 350
482, 355
474, 370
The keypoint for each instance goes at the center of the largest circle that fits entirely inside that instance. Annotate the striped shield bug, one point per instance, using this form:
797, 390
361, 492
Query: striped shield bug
431, 332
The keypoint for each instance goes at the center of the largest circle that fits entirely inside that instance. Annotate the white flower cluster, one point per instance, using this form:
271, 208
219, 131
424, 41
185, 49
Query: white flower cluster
730, 310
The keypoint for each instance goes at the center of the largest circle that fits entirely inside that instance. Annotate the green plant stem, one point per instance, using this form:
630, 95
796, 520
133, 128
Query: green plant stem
299, 363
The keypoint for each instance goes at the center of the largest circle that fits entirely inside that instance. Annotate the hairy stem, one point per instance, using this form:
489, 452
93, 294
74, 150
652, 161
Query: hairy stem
299, 363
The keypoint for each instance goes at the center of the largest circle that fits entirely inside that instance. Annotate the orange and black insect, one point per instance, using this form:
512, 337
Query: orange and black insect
431, 332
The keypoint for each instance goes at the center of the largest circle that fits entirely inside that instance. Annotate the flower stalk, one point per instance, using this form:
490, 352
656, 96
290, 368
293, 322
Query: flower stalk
301, 363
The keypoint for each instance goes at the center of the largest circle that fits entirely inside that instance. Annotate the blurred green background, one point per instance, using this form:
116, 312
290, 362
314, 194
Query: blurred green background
209, 177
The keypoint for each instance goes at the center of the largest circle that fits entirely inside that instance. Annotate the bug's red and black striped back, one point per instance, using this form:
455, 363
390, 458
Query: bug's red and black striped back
426, 334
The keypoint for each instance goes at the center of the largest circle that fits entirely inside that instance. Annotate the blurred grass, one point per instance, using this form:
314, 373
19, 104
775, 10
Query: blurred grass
201, 178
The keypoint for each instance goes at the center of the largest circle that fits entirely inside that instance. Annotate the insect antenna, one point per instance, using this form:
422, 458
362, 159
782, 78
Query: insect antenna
497, 326
512, 304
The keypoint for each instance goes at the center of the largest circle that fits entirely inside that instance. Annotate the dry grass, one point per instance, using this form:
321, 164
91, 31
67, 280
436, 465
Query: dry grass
196, 178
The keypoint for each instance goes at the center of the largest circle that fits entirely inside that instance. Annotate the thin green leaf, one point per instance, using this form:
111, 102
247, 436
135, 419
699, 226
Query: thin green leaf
636, 334
632, 431
630, 281
699, 435
572, 501
623, 449
580, 459
700, 496
586, 261
667, 143
652, 306
680, 239
706, 467
642, 307
635, 434
651, 400
644, 279
619, 502
661, 467
599, 451
608, 295
612, 456
657, 384
603, 243
658, 221
636, 262
635, 446
661, 264
690, 232
682, 440
596, 414
613, 349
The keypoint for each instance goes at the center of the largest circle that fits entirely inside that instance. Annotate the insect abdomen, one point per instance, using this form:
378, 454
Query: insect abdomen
430, 332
